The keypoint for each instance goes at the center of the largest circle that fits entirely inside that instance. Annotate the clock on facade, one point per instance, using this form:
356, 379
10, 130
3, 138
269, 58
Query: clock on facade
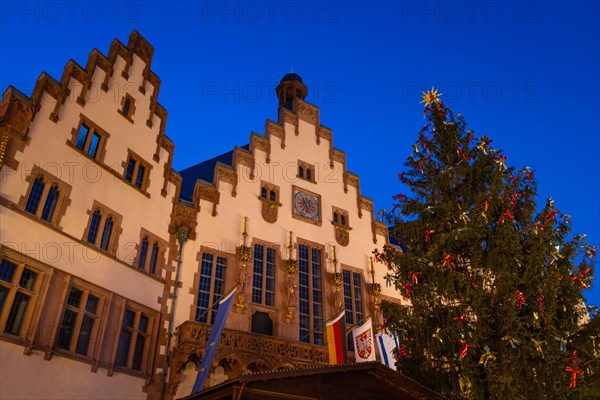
306, 205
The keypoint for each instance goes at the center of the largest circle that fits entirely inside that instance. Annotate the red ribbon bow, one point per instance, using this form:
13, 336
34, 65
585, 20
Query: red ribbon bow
539, 226
514, 198
540, 301
465, 348
408, 290
414, 276
459, 321
520, 299
487, 204
462, 155
402, 351
402, 178
399, 197
428, 233
574, 372
591, 251
448, 260
528, 174
581, 277
507, 214
551, 216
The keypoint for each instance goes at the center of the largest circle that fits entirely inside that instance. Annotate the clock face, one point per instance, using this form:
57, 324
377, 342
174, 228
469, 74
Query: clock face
306, 205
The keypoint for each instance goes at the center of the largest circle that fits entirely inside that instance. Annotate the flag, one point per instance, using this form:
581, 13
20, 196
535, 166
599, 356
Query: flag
387, 343
364, 348
336, 339
213, 342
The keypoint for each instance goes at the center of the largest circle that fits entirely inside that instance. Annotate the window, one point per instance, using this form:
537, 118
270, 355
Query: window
50, 205
103, 228
262, 323
143, 253
127, 107
306, 171
353, 302
211, 286
263, 278
47, 196
35, 195
310, 294
89, 139
153, 258
79, 322
135, 171
107, 232
269, 197
149, 253
94, 225
340, 217
18, 291
269, 192
134, 340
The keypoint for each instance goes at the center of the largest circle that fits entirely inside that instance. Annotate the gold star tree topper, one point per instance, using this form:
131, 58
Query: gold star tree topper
431, 96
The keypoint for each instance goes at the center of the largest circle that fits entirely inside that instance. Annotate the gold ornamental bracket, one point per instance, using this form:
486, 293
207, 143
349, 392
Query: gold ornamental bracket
374, 289
290, 265
243, 254
336, 279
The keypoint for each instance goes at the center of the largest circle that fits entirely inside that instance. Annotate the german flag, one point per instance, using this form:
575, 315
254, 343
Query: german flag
336, 339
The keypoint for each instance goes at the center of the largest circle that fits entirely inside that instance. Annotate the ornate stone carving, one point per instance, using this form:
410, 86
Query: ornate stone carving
325, 133
138, 45
336, 281
307, 112
242, 157
174, 177
352, 180
209, 194
274, 129
339, 156
226, 174
269, 210
374, 290
243, 253
366, 204
244, 350
382, 229
3, 144
258, 142
287, 116
167, 144
290, 265
342, 235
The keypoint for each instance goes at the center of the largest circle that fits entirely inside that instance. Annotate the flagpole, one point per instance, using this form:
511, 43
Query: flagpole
182, 237
215, 304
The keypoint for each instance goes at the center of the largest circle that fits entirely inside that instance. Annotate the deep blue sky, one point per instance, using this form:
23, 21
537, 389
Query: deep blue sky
525, 73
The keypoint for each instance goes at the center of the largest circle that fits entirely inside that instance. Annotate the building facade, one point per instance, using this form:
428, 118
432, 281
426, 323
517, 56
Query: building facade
112, 262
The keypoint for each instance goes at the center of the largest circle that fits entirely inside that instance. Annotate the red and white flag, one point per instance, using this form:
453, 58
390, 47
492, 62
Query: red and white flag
364, 345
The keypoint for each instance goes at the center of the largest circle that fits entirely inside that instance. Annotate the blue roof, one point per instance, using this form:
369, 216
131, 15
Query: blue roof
204, 171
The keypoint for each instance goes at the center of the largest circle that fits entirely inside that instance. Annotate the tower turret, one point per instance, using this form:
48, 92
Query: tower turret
290, 87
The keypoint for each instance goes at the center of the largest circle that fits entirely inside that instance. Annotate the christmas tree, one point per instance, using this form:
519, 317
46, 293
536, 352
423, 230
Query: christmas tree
495, 284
